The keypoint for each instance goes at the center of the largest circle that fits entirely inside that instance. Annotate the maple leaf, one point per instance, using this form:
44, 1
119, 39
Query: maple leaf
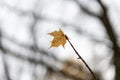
59, 38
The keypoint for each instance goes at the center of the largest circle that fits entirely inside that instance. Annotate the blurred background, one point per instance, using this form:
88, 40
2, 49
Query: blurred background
91, 25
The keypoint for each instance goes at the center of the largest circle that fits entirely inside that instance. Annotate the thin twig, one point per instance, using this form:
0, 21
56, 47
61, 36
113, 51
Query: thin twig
81, 58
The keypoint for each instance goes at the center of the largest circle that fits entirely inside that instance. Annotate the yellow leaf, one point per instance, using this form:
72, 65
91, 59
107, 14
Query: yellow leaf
59, 38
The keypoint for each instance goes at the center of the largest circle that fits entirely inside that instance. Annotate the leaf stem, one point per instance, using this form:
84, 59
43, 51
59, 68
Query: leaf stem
81, 58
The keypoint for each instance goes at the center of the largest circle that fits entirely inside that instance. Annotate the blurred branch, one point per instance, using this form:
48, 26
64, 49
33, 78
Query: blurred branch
4, 58
113, 37
43, 63
108, 26
31, 48
5, 67
85, 10
105, 20
15, 9
37, 17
